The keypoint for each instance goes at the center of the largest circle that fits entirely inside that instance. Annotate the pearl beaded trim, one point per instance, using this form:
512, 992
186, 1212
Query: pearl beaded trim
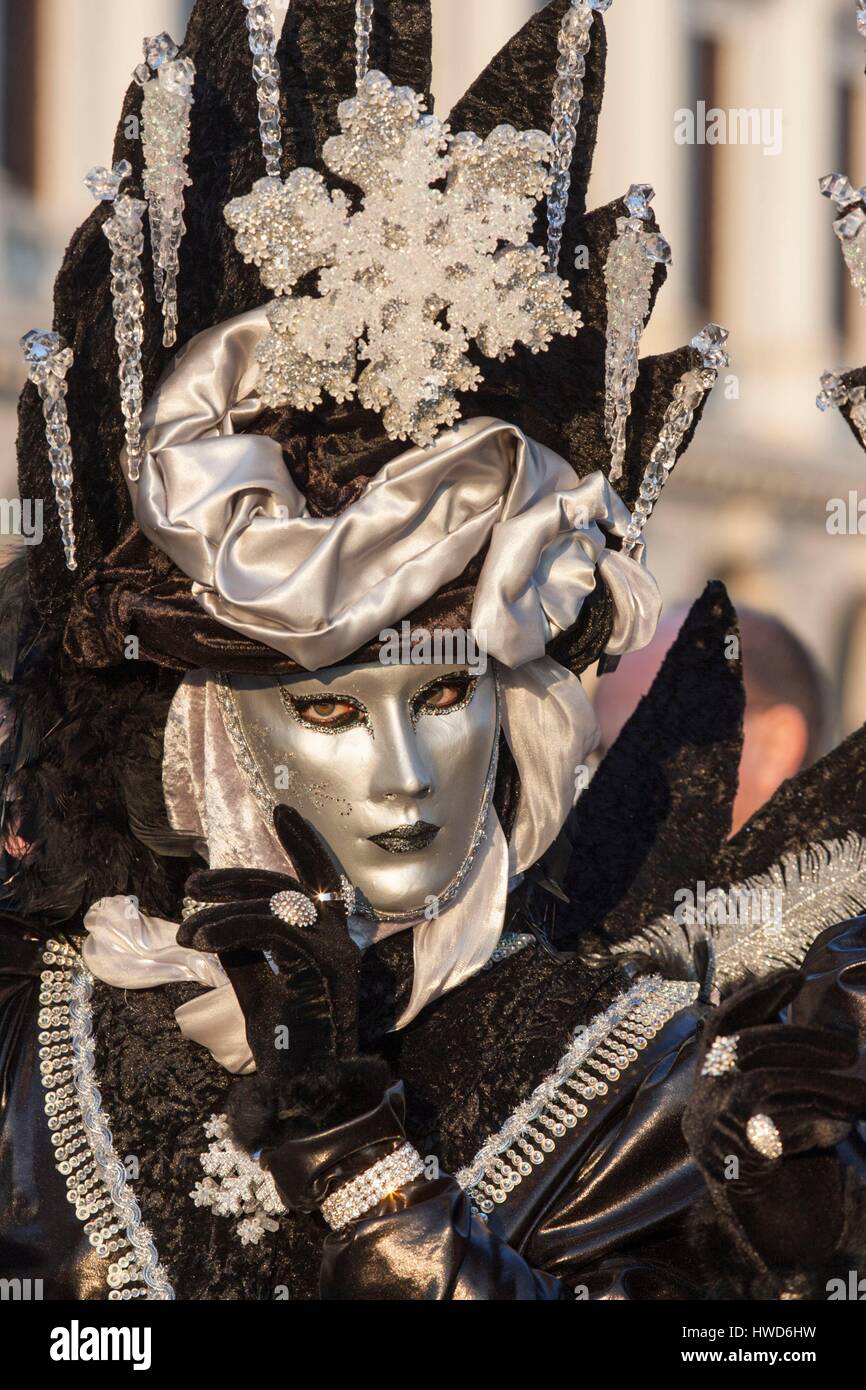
370, 1187
84, 1152
598, 1054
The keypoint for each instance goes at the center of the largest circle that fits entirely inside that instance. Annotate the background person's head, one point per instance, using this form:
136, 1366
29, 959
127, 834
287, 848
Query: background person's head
786, 721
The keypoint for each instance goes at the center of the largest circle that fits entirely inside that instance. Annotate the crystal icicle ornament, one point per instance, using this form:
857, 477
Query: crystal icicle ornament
710, 356
834, 394
124, 231
263, 47
166, 82
409, 279
631, 261
851, 231
574, 40
363, 30
861, 20
48, 358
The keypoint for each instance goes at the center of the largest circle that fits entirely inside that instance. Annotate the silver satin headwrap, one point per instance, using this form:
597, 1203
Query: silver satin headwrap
222, 505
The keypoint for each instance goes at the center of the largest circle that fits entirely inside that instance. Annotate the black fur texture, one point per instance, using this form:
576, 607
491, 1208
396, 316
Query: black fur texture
264, 1113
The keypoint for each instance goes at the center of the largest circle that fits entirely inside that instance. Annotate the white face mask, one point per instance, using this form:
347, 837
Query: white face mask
392, 765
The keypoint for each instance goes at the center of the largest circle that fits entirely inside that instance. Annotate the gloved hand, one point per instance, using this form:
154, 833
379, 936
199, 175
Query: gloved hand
771, 1102
297, 983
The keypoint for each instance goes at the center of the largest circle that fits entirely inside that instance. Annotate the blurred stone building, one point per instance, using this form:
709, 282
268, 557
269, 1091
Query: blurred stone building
753, 249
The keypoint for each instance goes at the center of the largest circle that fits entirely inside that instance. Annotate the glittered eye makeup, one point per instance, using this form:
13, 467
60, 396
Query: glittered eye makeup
327, 714
332, 714
445, 695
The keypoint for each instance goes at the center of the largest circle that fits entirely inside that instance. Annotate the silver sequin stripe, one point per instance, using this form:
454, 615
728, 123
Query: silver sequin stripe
84, 1151
598, 1054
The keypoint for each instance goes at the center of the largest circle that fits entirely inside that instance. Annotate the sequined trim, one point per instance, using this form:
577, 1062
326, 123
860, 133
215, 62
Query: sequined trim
511, 943
598, 1054
84, 1151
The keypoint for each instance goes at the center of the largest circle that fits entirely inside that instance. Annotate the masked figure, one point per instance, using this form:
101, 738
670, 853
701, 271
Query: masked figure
319, 952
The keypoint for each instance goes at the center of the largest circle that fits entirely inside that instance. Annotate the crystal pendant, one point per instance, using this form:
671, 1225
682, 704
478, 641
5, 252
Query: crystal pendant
861, 21
657, 249
632, 257
158, 50
839, 189
709, 344
689, 392
165, 107
850, 226
638, 200
49, 357
124, 232
104, 184
263, 46
833, 393
574, 42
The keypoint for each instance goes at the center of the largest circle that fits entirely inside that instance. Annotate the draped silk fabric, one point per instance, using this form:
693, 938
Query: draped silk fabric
222, 506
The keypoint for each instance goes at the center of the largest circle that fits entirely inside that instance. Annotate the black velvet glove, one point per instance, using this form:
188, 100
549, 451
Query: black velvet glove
785, 1212
297, 985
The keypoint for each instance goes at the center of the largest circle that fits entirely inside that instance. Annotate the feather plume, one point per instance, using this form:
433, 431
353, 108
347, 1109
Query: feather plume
766, 922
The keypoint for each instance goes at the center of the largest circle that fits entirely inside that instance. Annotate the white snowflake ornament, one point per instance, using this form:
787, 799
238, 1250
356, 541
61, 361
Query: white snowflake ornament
436, 256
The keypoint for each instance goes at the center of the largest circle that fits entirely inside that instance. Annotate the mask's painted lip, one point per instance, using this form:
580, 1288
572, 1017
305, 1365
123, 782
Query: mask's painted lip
403, 839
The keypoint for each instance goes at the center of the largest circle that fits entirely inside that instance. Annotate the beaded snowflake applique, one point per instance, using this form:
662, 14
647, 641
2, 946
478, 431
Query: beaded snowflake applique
437, 255
237, 1186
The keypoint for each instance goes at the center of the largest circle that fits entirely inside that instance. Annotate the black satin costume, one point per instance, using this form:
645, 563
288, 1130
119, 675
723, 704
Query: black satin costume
605, 1215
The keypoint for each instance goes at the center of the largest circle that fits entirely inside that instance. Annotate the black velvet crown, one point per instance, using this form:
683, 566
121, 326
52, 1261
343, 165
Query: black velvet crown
124, 586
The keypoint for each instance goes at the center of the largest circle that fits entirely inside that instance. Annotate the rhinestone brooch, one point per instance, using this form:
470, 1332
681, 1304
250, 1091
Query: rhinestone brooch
764, 1137
721, 1056
294, 908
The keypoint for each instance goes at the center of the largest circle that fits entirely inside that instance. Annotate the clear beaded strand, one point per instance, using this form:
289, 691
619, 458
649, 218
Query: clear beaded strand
166, 83
124, 232
363, 30
49, 357
574, 41
711, 356
263, 46
631, 262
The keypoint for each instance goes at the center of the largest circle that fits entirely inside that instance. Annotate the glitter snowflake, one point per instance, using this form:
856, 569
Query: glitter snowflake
436, 256
237, 1185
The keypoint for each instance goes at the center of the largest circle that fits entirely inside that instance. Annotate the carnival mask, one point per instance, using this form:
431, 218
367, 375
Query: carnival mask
392, 765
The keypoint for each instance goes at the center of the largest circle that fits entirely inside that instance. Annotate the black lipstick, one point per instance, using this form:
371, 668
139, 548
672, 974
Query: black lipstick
404, 839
